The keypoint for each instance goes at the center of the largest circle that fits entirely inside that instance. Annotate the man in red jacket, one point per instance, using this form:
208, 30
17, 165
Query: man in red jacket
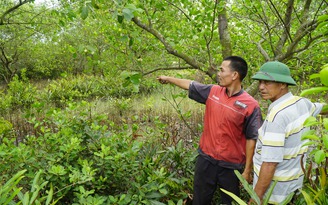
231, 122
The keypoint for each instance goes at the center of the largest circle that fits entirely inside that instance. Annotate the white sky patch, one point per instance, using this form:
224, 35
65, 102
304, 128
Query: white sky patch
46, 2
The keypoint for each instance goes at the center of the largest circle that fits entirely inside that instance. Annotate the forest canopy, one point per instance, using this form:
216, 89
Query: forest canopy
98, 37
83, 119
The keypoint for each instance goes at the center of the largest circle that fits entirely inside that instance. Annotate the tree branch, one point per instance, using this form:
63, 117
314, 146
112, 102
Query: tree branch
208, 41
289, 54
168, 68
264, 20
184, 13
287, 23
225, 39
288, 13
190, 61
12, 9
303, 31
262, 51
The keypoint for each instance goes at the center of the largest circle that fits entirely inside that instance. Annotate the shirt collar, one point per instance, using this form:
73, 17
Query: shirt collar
281, 99
236, 94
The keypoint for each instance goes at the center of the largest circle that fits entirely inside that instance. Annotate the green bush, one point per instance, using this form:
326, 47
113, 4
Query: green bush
20, 94
11, 194
87, 161
316, 187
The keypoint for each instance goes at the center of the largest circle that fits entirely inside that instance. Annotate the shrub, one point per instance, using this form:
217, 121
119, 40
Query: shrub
315, 191
86, 160
11, 194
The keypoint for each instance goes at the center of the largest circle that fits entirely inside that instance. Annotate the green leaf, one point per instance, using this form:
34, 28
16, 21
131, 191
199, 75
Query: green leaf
120, 18
309, 143
323, 178
163, 191
321, 24
248, 187
124, 38
154, 195
26, 199
125, 74
153, 202
131, 41
308, 132
310, 137
325, 108
319, 156
307, 197
313, 90
91, 48
269, 193
315, 75
324, 76
12, 195
61, 23
325, 140
84, 12
323, 18
50, 195
127, 13
36, 181
325, 123
236, 198
135, 78
13, 181
310, 121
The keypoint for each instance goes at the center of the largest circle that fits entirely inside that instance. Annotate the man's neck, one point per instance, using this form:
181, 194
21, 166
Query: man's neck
232, 90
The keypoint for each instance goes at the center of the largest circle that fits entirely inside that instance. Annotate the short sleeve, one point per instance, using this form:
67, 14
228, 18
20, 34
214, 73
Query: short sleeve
199, 92
253, 123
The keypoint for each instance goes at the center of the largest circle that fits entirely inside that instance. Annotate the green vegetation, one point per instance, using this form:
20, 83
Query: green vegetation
83, 120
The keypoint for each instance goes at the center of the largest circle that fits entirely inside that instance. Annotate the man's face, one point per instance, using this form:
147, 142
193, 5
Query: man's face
271, 90
225, 74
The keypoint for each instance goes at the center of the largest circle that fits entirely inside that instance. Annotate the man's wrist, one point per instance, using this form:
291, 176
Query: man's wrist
248, 171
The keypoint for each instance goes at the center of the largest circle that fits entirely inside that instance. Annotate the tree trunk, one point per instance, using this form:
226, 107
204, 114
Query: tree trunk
225, 39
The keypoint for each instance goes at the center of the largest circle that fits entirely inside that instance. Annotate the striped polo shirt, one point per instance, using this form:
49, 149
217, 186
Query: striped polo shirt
280, 141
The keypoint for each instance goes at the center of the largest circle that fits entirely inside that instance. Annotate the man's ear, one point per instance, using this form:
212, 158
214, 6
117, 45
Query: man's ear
284, 85
235, 75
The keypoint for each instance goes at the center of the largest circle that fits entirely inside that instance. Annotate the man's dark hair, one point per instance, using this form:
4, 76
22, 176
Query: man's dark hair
238, 64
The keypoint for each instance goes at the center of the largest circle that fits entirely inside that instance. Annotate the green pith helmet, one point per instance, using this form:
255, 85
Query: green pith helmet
274, 71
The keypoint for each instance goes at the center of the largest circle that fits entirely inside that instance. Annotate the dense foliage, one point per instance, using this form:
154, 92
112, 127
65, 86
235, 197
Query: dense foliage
88, 160
83, 120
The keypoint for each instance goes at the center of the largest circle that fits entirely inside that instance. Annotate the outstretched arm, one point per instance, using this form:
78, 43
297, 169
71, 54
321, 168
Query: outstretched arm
182, 83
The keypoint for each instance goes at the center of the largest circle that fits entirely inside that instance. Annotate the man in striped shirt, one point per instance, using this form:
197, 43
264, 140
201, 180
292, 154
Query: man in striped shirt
279, 149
